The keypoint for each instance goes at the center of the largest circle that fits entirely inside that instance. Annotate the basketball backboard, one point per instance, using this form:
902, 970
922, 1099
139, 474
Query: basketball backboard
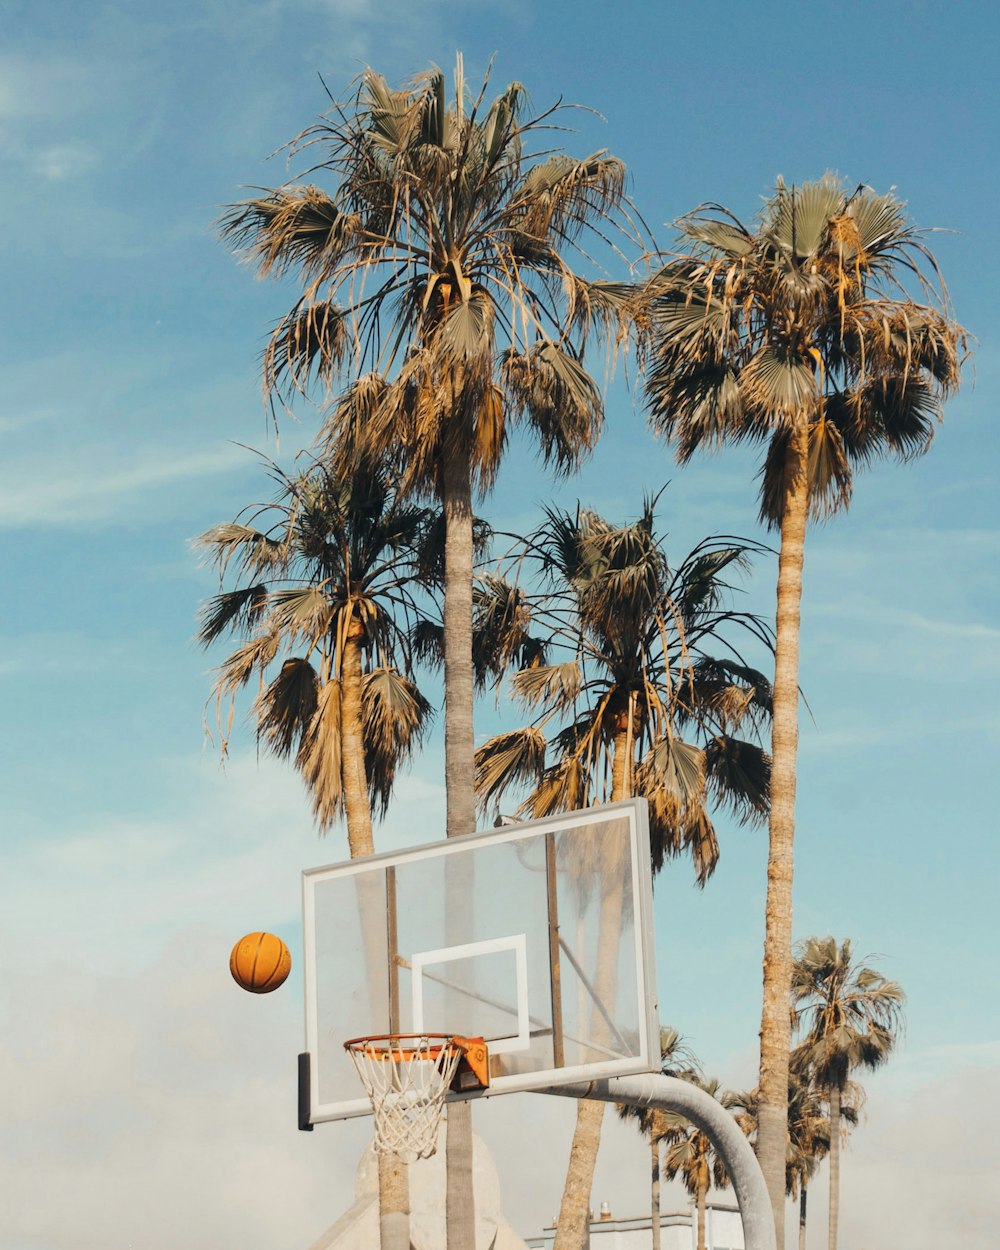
535, 936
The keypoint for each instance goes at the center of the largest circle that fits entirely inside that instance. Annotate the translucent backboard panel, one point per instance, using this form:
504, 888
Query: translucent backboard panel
537, 937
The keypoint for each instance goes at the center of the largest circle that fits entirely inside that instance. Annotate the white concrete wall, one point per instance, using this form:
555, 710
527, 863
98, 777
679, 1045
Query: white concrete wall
678, 1231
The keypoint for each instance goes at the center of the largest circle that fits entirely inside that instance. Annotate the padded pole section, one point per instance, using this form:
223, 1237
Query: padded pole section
669, 1093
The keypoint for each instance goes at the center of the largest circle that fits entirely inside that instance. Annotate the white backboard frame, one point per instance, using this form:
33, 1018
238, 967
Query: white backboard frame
313, 1108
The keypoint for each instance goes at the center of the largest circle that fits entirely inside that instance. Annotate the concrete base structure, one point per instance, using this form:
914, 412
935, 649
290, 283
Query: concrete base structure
678, 1231
358, 1227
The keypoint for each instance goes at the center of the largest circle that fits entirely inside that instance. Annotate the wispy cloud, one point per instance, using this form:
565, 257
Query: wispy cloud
65, 160
92, 491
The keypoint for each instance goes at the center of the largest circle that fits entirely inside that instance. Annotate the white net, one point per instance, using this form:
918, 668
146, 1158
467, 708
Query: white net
406, 1079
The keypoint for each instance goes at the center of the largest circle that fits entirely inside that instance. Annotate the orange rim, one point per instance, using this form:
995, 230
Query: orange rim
391, 1048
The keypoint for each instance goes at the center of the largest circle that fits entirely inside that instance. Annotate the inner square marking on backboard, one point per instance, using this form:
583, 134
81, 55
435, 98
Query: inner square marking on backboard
517, 944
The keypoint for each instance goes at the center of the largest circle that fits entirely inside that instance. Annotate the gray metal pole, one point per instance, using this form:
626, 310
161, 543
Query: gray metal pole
668, 1093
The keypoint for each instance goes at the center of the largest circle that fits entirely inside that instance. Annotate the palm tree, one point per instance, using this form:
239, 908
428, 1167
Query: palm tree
808, 1140
809, 1135
676, 1059
323, 589
691, 1155
797, 333
850, 1016
435, 275
625, 659
625, 665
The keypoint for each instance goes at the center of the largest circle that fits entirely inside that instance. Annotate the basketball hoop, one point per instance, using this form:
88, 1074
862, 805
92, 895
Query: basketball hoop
406, 1076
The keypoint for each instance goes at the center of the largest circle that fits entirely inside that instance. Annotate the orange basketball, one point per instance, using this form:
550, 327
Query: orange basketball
260, 962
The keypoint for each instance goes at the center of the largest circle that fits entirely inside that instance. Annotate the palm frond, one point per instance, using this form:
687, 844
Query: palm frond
320, 758
396, 718
739, 775
285, 708
237, 611
514, 758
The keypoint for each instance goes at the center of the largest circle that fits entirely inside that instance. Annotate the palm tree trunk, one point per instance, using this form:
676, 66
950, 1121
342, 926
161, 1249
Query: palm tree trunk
775, 1026
654, 1191
458, 684
573, 1227
460, 791
393, 1177
355, 780
803, 1196
393, 1203
702, 1191
834, 1166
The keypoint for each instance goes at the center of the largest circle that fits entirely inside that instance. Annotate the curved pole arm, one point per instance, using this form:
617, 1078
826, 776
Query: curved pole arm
668, 1093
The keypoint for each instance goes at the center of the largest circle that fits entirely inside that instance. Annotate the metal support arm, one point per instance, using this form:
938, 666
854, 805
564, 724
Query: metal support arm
668, 1093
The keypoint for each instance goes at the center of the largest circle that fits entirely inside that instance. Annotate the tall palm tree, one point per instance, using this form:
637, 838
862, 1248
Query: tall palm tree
850, 1016
626, 664
676, 1059
324, 581
800, 334
691, 1155
437, 273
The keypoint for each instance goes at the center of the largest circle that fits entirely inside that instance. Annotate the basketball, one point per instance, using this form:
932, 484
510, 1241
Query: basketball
260, 962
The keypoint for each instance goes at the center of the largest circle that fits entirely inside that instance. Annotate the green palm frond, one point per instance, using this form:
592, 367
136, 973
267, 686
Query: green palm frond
739, 776
501, 619
559, 399
311, 342
302, 612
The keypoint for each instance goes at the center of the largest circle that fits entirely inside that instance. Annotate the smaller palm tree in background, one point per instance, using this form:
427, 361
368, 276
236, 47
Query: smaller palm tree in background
324, 601
850, 1017
808, 1141
676, 1059
809, 1134
691, 1155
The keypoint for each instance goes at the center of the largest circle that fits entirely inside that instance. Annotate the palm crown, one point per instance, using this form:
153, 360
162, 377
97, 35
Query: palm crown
803, 320
850, 1015
330, 571
623, 651
436, 272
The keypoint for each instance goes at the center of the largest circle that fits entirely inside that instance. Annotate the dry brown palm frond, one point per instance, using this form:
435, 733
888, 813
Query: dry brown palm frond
285, 708
319, 758
396, 718
548, 686
254, 552
514, 758
252, 657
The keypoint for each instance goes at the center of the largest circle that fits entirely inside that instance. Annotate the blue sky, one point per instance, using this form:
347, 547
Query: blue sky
130, 861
